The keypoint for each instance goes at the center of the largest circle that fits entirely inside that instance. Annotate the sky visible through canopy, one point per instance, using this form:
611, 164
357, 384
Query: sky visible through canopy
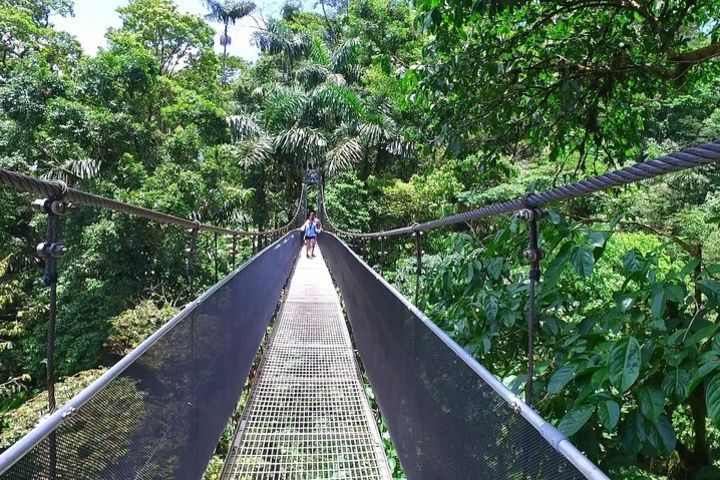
93, 17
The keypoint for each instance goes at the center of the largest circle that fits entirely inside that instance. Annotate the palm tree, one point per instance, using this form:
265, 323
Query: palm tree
277, 37
313, 118
225, 12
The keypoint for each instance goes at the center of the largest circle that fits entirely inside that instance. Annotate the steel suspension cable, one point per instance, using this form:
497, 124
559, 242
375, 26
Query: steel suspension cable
54, 188
689, 158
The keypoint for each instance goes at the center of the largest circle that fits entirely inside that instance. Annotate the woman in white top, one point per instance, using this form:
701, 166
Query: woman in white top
311, 228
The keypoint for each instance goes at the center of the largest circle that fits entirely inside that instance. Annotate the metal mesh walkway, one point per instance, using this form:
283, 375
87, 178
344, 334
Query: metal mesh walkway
308, 416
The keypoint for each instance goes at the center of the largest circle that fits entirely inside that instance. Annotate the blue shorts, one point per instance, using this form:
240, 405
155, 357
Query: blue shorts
310, 238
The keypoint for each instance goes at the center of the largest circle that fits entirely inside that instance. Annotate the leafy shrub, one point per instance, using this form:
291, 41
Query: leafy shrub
133, 326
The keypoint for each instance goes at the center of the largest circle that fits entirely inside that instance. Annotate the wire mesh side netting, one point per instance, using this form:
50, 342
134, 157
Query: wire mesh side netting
447, 416
160, 412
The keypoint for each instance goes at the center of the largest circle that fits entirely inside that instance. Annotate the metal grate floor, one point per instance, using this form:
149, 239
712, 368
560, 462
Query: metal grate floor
308, 417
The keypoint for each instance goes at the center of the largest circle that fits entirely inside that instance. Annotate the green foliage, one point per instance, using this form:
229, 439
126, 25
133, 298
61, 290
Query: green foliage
575, 76
131, 327
174, 38
20, 421
377, 95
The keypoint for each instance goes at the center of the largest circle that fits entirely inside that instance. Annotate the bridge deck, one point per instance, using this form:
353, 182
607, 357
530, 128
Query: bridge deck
308, 416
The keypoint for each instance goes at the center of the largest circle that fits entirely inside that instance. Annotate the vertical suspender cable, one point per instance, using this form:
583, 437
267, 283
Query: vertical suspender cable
532, 255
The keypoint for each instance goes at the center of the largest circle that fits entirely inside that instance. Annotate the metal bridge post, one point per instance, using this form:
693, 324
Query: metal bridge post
217, 271
191, 253
382, 255
418, 256
532, 255
50, 252
234, 251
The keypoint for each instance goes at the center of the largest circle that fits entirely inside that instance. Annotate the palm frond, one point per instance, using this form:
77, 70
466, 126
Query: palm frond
277, 37
302, 143
300, 44
373, 134
342, 102
282, 107
400, 147
336, 79
256, 151
229, 11
351, 72
319, 53
84, 168
274, 38
243, 127
71, 170
312, 74
343, 156
258, 92
345, 54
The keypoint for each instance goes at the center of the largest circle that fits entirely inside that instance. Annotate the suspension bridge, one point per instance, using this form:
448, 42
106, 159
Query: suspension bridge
160, 411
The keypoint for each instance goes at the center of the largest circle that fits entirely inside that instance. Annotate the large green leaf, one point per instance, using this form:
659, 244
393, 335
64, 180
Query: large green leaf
652, 402
675, 293
661, 435
658, 303
703, 371
609, 413
625, 363
557, 265
634, 262
574, 420
634, 434
676, 384
712, 399
560, 378
583, 261
711, 289
491, 308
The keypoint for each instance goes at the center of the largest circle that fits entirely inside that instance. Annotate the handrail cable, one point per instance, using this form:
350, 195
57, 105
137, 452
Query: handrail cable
688, 158
58, 189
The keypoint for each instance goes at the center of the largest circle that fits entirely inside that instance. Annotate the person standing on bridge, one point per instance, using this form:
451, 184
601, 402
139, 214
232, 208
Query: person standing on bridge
311, 228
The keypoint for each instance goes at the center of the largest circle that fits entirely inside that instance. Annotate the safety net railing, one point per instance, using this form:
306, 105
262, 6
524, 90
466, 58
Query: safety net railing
160, 411
448, 416
529, 209
417, 379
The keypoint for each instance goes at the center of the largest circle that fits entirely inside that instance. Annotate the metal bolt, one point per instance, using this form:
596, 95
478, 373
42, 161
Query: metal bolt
58, 207
532, 255
57, 250
41, 204
42, 250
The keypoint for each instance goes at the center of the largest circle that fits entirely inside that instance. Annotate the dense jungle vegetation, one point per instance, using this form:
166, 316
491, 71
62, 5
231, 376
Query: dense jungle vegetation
412, 111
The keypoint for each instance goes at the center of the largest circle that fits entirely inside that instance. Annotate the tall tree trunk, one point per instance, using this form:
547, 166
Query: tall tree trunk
697, 295
224, 64
333, 35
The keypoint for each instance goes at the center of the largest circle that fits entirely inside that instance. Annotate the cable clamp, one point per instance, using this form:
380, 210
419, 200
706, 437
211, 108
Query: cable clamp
70, 412
533, 255
194, 231
53, 207
47, 250
527, 201
63, 189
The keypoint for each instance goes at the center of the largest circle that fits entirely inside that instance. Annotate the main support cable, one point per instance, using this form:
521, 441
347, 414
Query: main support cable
53, 188
704, 154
